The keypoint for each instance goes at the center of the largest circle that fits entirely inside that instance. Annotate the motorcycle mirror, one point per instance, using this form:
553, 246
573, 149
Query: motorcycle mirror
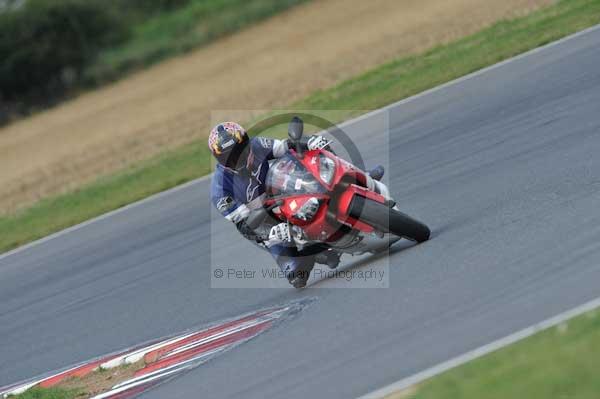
295, 129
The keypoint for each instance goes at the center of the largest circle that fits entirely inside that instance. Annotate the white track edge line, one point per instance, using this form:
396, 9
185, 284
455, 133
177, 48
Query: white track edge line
348, 122
139, 354
133, 356
20, 388
115, 362
178, 366
256, 321
211, 338
482, 350
161, 373
105, 216
110, 393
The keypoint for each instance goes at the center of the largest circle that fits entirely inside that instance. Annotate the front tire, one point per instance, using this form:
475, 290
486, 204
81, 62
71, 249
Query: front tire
388, 220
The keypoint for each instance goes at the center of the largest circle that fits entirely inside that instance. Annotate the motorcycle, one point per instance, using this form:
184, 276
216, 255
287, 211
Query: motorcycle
327, 202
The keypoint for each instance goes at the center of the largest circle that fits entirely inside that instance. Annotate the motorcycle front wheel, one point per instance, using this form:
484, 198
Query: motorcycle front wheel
388, 220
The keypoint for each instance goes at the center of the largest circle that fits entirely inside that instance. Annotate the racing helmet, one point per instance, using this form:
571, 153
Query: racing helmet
228, 142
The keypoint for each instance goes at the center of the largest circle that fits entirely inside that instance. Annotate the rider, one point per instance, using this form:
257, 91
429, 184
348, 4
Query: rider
238, 186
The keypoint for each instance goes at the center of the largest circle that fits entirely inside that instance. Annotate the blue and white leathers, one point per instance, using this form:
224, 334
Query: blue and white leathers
235, 194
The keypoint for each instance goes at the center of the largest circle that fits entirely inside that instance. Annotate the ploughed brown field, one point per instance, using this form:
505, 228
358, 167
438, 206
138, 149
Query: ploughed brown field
270, 65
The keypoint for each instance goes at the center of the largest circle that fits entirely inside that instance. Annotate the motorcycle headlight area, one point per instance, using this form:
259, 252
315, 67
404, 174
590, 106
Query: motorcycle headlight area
326, 168
308, 210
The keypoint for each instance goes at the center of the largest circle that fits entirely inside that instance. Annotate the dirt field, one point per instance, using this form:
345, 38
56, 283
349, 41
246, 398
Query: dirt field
269, 65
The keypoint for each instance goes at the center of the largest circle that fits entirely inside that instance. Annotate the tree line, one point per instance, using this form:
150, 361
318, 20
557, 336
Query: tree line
46, 44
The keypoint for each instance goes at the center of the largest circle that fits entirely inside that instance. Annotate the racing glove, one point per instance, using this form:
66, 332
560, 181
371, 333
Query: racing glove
279, 234
317, 142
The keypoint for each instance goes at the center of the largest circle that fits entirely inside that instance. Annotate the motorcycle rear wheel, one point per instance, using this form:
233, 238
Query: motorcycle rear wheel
388, 220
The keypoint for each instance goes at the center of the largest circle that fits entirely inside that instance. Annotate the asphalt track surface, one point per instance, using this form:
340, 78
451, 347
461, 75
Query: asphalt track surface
505, 168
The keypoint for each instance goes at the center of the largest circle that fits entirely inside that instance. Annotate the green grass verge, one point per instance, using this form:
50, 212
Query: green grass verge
562, 362
175, 32
53, 214
49, 393
410, 75
381, 86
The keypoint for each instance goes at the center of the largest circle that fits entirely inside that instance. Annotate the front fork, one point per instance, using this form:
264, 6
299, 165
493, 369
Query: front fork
382, 189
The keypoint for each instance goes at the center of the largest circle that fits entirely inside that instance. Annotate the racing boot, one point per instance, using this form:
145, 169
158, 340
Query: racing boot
298, 278
377, 172
330, 257
297, 269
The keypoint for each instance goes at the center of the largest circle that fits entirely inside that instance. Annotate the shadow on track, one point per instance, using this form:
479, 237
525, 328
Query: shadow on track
368, 260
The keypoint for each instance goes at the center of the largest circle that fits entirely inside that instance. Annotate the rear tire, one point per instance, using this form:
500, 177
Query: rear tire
388, 220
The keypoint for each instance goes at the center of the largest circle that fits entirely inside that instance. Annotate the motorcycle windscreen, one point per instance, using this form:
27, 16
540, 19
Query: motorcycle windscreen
287, 176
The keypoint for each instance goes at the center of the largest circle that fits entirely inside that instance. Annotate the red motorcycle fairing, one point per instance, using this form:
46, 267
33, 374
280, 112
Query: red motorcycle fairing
318, 228
343, 168
345, 200
331, 200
